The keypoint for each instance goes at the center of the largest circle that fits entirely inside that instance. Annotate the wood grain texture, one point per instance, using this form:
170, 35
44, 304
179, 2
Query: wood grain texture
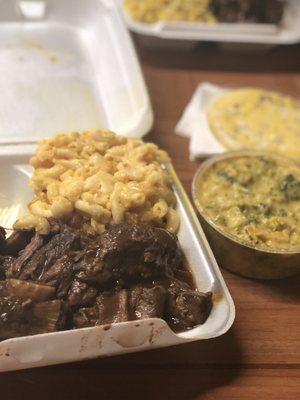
93, 381
260, 356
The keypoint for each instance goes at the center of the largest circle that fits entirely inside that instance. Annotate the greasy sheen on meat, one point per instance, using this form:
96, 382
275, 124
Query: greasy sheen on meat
28, 308
66, 280
129, 253
119, 306
186, 308
22, 317
42, 257
147, 302
14, 316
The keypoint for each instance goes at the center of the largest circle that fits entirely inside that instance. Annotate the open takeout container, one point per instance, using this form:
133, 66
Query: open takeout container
82, 344
187, 34
83, 49
68, 66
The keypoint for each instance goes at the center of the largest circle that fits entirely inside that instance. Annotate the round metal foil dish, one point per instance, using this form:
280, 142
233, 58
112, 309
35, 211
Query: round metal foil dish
232, 253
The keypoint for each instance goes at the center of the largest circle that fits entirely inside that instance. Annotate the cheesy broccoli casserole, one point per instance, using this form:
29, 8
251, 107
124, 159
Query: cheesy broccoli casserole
256, 119
255, 198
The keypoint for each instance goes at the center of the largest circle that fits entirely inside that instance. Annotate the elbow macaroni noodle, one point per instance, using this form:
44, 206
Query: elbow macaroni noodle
94, 179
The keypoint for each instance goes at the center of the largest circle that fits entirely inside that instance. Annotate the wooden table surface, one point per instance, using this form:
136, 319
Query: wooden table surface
259, 358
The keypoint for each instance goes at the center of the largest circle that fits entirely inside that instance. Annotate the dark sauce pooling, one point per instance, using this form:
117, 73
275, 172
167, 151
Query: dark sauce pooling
67, 280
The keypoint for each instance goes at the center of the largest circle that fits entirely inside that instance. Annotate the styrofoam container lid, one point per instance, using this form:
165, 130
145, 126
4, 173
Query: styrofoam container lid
68, 67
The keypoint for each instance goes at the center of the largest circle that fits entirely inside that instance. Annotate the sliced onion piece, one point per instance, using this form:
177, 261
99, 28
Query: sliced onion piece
29, 290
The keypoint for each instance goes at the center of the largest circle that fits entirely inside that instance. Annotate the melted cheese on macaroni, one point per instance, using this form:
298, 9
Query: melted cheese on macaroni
94, 179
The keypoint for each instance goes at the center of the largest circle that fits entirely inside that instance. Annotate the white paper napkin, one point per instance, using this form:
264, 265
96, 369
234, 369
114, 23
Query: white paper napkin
193, 122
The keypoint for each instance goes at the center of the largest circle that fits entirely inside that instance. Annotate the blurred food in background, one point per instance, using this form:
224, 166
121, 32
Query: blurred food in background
152, 11
252, 118
260, 11
208, 11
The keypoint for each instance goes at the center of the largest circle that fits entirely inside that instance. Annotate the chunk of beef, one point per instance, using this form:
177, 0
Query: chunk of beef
80, 294
129, 272
20, 318
24, 311
17, 241
130, 253
3, 289
86, 317
5, 264
90, 267
2, 240
59, 245
14, 271
147, 302
14, 317
2, 272
60, 275
120, 306
187, 308
113, 307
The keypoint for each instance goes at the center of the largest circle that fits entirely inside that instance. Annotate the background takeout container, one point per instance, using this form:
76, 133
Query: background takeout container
233, 254
187, 34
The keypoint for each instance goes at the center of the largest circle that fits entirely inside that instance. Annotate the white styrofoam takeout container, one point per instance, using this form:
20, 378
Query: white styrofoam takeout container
189, 33
133, 336
68, 66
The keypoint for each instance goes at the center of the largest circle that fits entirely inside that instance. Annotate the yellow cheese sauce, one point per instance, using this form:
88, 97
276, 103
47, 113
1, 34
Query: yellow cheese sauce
153, 11
251, 118
254, 198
